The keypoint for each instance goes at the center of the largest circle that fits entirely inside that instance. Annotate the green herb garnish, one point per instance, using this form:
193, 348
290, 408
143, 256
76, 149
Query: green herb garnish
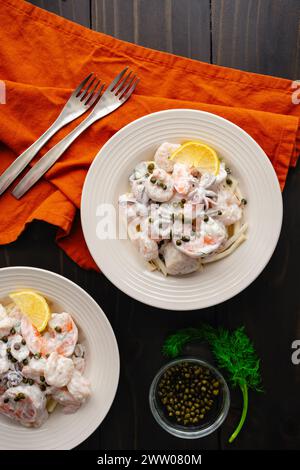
233, 352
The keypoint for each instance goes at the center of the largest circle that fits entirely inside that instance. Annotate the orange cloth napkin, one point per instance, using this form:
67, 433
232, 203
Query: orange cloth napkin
43, 57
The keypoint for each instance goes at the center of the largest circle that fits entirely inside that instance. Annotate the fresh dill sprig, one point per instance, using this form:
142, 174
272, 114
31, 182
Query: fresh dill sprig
233, 352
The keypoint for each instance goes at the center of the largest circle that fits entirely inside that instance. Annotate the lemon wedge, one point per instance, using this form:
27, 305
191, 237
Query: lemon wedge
34, 306
199, 155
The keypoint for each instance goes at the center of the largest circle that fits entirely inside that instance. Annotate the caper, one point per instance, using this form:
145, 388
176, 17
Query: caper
43, 387
185, 238
5, 339
151, 167
25, 362
153, 180
180, 389
178, 242
219, 212
6, 400
30, 381
206, 218
37, 355
23, 342
229, 181
12, 331
244, 201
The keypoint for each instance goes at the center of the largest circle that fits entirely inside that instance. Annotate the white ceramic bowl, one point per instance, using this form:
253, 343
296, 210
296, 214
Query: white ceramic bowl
108, 178
102, 363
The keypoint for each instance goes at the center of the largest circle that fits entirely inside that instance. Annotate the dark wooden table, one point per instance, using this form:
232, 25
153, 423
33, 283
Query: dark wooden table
259, 36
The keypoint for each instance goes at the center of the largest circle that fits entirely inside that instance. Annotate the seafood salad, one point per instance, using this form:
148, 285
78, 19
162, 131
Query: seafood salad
184, 209
39, 370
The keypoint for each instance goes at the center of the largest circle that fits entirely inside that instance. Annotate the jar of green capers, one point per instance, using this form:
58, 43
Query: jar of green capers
189, 398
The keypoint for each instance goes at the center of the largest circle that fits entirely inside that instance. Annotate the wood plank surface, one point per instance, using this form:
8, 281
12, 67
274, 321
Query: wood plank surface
75, 10
260, 36
180, 27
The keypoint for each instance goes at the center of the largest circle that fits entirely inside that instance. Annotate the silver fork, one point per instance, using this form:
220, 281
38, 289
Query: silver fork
116, 94
82, 98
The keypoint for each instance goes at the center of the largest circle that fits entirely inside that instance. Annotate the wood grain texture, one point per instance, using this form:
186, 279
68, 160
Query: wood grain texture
180, 27
269, 308
74, 10
261, 36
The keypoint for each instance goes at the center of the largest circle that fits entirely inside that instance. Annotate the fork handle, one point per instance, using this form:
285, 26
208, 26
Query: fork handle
11, 173
46, 162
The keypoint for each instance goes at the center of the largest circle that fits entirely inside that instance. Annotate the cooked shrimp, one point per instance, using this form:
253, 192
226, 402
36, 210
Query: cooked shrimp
18, 350
139, 191
79, 386
229, 205
66, 400
180, 198
30, 407
131, 208
137, 181
159, 186
212, 235
183, 180
35, 369
6, 324
31, 335
62, 335
4, 364
58, 370
148, 248
163, 154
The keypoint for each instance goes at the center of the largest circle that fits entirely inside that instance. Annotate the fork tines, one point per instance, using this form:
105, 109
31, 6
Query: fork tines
83, 90
124, 84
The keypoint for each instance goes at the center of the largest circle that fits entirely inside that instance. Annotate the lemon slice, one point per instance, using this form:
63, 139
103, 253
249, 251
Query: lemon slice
34, 306
199, 155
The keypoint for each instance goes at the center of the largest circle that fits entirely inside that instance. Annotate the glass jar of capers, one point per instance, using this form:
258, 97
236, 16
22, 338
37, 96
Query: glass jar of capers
189, 398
